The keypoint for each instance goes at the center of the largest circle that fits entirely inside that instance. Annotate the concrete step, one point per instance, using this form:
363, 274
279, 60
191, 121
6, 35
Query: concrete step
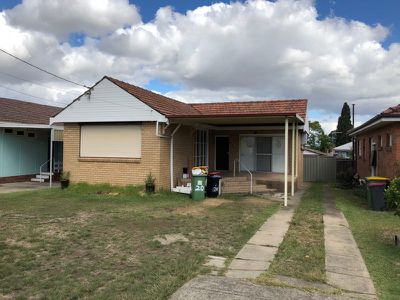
235, 179
246, 189
235, 184
43, 176
37, 179
47, 173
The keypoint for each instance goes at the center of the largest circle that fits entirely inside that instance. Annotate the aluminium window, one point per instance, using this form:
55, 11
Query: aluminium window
201, 148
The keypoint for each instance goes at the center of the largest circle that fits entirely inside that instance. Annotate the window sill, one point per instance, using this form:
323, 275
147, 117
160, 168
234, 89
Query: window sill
110, 159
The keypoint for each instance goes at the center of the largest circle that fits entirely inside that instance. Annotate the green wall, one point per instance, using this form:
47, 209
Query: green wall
23, 155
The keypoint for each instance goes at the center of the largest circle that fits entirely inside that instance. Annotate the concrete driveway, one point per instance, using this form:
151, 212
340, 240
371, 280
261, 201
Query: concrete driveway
24, 186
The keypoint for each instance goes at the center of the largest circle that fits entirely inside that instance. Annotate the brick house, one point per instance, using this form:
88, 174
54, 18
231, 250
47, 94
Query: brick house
377, 144
118, 133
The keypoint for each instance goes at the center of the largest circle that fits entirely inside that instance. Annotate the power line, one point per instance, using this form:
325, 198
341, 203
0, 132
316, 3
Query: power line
19, 78
36, 67
29, 95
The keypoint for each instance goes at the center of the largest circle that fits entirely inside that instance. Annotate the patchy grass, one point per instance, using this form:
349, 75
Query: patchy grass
99, 241
374, 233
302, 252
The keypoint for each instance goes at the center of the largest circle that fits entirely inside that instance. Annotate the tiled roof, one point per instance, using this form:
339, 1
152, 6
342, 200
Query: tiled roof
173, 108
394, 110
254, 108
391, 112
17, 111
164, 105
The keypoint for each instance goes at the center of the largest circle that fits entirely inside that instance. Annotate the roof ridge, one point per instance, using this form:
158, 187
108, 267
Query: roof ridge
146, 90
250, 101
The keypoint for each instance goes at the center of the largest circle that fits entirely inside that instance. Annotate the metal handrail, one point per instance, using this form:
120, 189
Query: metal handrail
248, 171
42, 165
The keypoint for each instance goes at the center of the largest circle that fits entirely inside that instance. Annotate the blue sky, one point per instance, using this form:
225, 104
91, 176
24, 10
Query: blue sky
385, 12
324, 61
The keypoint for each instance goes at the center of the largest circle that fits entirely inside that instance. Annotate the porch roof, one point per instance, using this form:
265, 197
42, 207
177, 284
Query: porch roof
239, 120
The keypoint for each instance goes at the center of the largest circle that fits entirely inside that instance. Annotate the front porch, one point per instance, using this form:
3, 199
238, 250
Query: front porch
262, 182
253, 155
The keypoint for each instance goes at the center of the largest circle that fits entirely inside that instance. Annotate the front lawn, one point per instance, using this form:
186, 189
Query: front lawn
98, 242
302, 252
374, 233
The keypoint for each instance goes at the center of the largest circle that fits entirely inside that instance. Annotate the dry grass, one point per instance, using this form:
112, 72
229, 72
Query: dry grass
98, 241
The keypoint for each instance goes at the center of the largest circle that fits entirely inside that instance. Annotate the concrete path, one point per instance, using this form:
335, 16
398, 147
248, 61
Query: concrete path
24, 186
345, 267
224, 288
258, 253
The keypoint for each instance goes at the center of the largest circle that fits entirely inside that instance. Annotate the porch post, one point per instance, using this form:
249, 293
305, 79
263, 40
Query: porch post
51, 156
297, 148
293, 158
286, 159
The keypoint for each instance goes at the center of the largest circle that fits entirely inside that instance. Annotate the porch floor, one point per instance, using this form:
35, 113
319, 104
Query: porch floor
273, 181
259, 175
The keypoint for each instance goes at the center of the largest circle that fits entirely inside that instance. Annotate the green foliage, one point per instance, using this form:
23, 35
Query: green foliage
150, 180
65, 175
317, 139
392, 195
343, 126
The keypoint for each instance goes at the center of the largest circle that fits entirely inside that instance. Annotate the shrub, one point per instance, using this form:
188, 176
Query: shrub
392, 195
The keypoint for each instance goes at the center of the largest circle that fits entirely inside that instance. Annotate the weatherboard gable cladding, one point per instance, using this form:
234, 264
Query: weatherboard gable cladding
107, 102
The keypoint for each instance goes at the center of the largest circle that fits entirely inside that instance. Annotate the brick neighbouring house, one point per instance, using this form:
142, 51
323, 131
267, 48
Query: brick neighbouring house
168, 135
382, 132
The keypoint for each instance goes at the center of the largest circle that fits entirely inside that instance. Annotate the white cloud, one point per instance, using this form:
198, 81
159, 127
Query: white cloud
62, 17
253, 50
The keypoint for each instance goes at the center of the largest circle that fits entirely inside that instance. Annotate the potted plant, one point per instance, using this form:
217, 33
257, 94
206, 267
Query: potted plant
64, 179
150, 183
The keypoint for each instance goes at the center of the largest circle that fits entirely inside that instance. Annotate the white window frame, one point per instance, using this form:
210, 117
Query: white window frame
201, 147
259, 135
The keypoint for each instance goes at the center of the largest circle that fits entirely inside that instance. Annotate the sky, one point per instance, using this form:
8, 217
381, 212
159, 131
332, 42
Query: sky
328, 51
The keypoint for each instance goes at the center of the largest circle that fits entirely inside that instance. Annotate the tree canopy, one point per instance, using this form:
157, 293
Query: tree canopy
344, 125
317, 139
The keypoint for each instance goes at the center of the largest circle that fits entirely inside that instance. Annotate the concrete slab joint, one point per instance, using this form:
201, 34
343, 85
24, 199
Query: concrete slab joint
345, 267
257, 254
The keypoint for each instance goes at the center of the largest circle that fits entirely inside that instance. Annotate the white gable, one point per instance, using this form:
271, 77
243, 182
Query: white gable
107, 102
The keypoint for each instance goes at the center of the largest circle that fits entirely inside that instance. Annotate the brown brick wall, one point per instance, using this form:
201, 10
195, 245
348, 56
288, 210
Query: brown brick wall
386, 156
155, 157
115, 171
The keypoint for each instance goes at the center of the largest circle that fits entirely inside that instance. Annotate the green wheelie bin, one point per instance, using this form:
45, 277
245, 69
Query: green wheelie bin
199, 183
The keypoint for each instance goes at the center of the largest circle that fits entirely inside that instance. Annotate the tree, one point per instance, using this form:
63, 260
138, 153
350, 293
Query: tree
343, 126
317, 139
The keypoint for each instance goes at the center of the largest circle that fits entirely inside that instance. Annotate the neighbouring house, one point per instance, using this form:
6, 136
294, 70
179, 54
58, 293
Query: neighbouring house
377, 144
118, 133
25, 140
343, 151
313, 152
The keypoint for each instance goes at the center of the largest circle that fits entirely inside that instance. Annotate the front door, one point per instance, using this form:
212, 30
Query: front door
222, 153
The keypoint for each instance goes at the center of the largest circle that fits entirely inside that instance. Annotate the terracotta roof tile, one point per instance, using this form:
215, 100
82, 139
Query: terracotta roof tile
17, 111
173, 108
394, 110
164, 105
253, 108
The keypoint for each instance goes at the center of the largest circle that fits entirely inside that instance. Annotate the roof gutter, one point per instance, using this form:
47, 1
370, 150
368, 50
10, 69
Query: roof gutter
372, 123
